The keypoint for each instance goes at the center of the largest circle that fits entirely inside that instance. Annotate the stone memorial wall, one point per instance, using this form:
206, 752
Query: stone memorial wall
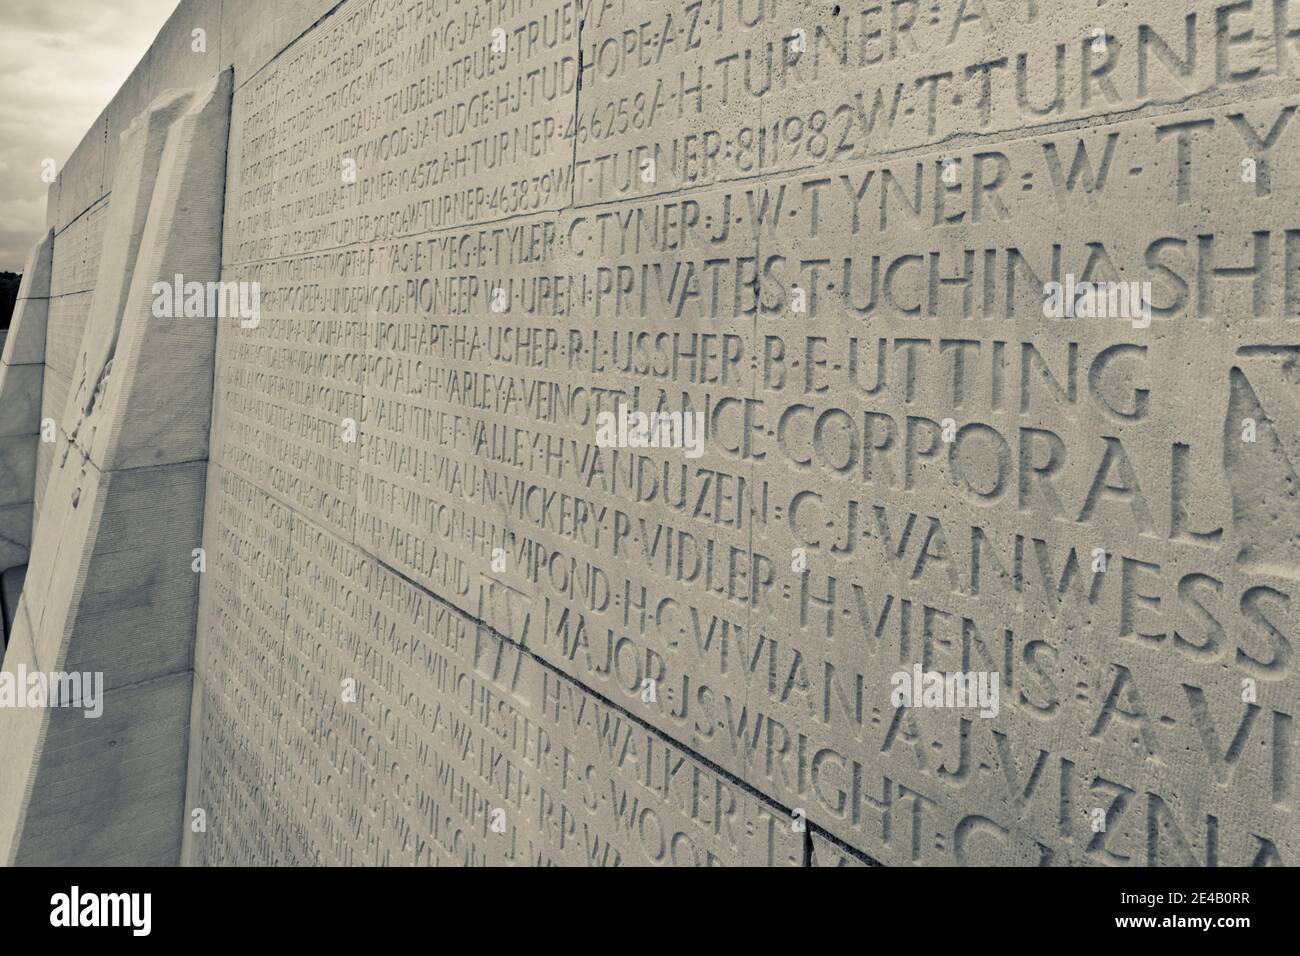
627, 415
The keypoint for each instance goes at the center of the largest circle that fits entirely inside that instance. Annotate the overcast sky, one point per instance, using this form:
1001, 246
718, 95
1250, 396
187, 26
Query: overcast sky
61, 61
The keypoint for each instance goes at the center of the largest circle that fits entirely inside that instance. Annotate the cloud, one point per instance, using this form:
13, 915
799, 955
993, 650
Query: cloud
61, 61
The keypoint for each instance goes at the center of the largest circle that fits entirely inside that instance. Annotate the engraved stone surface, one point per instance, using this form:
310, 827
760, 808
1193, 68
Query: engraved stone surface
971, 332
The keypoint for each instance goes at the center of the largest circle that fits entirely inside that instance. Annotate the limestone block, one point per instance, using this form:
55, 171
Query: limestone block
112, 560
76, 254
142, 148
107, 791
840, 257
15, 534
52, 206
22, 741
129, 105
182, 58
54, 395
21, 388
253, 33
25, 343
587, 784
81, 178
20, 399
158, 366
455, 609
112, 587
17, 469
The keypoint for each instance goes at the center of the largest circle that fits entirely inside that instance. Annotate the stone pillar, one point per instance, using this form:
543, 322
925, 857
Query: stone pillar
22, 371
111, 594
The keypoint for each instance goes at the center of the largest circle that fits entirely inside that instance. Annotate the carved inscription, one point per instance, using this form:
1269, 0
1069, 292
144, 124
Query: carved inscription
641, 387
